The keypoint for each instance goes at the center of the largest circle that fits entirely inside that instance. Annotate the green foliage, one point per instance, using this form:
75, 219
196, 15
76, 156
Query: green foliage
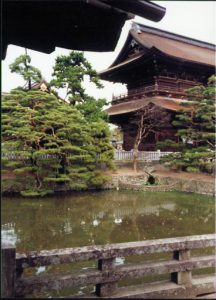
196, 130
22, 66
192, 169
92, 109
70, 72
53, 143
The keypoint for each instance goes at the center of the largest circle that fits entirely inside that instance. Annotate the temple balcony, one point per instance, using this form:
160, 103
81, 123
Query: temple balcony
172, 89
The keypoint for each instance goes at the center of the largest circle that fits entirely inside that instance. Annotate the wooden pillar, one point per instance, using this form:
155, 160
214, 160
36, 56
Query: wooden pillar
106, 289
8, 269
185, 277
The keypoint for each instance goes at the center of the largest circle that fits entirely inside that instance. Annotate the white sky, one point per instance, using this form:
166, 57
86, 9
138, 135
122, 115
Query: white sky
195, 19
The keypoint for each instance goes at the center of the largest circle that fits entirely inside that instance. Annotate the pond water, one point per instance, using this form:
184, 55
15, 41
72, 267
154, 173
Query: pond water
97, 218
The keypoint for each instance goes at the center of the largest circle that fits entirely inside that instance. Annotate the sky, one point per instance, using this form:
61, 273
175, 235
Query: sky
195, 19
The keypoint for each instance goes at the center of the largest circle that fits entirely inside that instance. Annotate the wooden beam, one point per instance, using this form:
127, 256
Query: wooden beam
69, 255
107, 276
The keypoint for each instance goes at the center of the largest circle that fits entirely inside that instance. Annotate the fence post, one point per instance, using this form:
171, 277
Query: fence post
184, 277
8, 270
106, 289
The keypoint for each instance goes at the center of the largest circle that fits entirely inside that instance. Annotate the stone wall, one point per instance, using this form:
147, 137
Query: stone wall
165, 184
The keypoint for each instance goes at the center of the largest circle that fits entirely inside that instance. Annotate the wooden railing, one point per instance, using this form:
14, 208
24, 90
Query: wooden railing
106, 276
151, 88
137, 93
142, 155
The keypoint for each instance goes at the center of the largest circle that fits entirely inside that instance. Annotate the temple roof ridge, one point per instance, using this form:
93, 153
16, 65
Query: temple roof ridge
171, 35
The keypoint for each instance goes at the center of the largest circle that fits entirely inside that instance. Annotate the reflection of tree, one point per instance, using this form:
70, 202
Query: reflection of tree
68, 221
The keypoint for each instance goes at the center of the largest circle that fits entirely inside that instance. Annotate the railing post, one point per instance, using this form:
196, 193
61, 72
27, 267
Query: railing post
8, 270
185, 277
106, 289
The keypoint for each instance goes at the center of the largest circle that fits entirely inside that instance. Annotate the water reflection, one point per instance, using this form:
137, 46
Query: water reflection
103, 217
117, 221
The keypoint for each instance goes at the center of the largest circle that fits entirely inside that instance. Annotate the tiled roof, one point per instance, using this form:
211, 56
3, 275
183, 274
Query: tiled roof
174, 45
169, 44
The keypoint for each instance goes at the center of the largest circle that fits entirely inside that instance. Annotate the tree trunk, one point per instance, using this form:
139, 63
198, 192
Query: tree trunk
135, 158
136, 144
136, 151
29, 84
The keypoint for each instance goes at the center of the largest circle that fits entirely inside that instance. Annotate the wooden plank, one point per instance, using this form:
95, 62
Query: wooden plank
8, 271
56, 282
163, 290
207, 296
185, 276
68, 255
107, 275
162, 267
109, 288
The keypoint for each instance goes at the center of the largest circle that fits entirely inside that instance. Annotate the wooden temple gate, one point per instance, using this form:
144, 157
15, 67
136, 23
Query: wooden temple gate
106, 277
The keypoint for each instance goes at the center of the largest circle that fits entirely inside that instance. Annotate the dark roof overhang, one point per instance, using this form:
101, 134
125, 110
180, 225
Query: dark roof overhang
90, 25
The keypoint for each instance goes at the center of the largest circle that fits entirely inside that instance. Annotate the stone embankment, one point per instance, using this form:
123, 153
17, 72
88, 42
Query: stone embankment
164, 184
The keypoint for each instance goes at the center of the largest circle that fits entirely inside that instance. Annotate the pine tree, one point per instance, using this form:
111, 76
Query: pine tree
52, 143
70, 72
22, 66
92, 109
196, 132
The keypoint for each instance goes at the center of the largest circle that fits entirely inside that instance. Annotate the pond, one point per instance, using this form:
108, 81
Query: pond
97, 218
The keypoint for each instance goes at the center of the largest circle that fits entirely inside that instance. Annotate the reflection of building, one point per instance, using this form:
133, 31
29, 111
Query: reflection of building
157, 67
119, 212
147, 210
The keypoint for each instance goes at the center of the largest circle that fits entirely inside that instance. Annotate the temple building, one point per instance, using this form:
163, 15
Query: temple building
157, 67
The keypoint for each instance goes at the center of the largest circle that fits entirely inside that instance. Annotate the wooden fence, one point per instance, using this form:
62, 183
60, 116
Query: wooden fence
142, 155
106, 276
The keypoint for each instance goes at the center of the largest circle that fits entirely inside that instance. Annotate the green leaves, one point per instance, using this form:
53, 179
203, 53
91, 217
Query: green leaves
54, 143
196, 130
70, 72
22, 66
64, 144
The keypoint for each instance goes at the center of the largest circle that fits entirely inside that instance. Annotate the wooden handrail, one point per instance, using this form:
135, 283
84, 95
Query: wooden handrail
107, 275
152, 88
69, 255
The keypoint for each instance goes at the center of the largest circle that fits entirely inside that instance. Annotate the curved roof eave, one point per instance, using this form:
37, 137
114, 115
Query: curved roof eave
173, 43
171, 104
120, 66
178, 38
151, 51
171, 35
